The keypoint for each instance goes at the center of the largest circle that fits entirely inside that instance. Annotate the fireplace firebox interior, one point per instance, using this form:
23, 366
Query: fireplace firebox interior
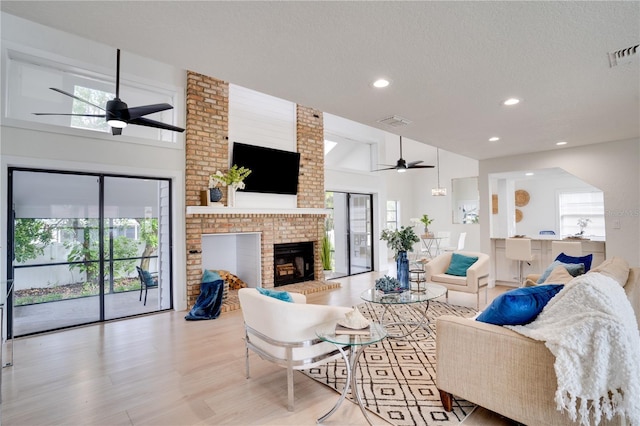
293, 263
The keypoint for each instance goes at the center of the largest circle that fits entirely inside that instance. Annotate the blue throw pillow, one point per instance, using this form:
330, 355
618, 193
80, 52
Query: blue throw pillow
210, 276
586, 260
519, 306
148, 279
574, 269
280, 295
459, 264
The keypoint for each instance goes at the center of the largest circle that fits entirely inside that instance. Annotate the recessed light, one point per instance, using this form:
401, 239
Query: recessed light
494, 139
511, 101
381, 82
561, 143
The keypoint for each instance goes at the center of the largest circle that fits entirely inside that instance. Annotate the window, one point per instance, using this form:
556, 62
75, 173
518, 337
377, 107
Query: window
392, 215
586, 207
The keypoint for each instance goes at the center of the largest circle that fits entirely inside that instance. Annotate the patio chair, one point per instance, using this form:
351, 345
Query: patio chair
147, 280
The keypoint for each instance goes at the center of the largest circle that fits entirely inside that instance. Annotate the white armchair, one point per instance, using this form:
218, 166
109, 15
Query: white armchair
477, 274
284, 332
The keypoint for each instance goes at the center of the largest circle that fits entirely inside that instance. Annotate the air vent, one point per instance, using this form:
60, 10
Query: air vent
623, 56
394, 121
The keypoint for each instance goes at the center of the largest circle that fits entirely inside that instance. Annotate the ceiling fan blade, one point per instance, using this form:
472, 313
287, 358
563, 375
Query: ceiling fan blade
152, 123
137, 112
75, 115
388, 168
116, 131
413, 163
75, 97
420, 167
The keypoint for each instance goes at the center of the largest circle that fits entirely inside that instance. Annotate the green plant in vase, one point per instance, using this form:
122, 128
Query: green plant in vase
426, 221
401, 241
325, 253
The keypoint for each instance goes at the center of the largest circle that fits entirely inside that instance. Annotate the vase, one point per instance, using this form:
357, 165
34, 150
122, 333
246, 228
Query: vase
231, 196
215, 195
402, 266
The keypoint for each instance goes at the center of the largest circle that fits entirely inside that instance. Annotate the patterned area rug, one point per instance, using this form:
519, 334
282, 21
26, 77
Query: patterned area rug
397, 376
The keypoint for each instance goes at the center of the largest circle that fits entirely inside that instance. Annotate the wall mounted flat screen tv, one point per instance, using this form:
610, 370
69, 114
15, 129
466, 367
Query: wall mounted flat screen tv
273, 171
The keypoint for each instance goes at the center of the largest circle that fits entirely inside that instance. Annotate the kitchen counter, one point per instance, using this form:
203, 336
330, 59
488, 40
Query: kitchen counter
505, 271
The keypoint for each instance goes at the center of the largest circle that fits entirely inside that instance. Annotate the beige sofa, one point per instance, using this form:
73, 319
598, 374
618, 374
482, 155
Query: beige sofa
502, 370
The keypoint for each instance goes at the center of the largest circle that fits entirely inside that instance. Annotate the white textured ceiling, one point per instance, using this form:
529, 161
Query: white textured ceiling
451, 63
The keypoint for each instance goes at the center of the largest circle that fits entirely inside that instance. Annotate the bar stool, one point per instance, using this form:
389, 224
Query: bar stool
570, 248
519, 249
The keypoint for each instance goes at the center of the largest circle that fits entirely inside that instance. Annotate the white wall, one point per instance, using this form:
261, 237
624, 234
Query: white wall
613, 167
542, 210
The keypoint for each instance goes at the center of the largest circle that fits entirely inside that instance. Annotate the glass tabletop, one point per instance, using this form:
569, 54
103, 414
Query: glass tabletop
327, 332
431, 291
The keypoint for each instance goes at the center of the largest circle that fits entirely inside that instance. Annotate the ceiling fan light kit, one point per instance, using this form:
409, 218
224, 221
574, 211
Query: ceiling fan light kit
117, 114
402, 166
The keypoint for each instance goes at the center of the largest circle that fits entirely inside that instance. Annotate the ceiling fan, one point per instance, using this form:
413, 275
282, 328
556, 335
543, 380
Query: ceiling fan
402, 166
117, 114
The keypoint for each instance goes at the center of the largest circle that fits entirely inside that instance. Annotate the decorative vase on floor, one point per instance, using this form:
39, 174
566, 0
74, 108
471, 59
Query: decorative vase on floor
215, 195
231, 196
402, 266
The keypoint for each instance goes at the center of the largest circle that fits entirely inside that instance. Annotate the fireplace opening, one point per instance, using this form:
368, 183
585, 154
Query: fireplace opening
293, 263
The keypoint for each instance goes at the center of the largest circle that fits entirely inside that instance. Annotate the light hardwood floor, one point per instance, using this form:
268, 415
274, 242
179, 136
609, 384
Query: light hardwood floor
163, 370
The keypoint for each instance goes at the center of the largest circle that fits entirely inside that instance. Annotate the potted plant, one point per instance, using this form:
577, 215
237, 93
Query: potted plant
233, 179
426, 221
401, 241
325, 253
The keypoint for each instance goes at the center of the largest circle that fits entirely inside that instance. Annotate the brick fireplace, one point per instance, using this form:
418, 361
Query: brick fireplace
207, 150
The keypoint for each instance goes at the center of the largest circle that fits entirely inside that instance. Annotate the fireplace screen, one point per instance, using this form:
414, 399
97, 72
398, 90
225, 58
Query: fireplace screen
293, 263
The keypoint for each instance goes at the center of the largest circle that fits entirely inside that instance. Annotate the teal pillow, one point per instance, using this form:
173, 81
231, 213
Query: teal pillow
280, 295
459, 264
519, 306
574, 269
210, 276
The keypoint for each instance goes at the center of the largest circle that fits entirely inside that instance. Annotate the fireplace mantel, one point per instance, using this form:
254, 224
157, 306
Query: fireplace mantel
209, 210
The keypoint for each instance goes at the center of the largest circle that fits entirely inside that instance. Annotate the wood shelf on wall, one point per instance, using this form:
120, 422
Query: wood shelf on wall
246, 210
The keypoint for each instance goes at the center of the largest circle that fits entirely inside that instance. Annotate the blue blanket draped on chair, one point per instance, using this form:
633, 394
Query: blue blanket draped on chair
209, 302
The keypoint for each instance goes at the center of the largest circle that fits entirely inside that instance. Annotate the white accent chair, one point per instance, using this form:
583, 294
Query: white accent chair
284, 332
477, 274
519, 249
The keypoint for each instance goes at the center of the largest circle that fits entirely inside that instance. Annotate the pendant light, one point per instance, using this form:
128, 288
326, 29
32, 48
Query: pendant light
438, 191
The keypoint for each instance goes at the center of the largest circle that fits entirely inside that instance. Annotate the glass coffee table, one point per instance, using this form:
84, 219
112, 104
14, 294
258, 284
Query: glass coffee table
416, 302
356, 344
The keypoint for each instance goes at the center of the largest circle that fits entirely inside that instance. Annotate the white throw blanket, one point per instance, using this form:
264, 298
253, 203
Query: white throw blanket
591, 329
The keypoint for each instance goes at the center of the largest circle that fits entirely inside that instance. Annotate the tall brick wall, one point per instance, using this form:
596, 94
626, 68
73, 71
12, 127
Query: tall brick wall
207, 151
310, 135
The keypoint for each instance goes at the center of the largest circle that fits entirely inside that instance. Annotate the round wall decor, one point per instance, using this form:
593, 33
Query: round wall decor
518, 215
522, 198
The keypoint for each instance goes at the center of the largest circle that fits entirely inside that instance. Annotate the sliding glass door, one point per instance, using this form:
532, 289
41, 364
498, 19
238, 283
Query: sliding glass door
75, 241
350, 227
